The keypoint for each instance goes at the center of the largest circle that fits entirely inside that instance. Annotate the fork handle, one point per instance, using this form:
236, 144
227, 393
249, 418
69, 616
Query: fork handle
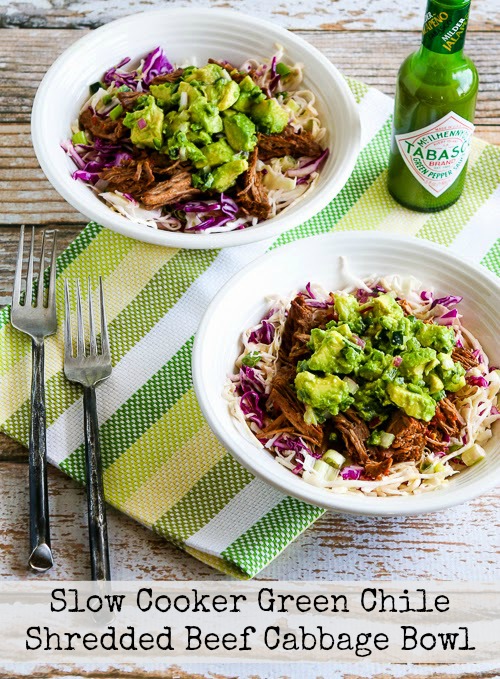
98, 529
40, 559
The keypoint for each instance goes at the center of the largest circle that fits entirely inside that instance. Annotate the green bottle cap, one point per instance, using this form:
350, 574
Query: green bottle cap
445, 26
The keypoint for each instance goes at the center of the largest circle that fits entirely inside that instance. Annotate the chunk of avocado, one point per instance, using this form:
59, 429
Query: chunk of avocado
371, 400
417, 363
452, 374
419, 405
250, 94
439, 337
434, 384
176, 122
146, 124
347, 308
225, 175
206, 114
386, 305
179, 146
191, 92
207, 74
223, 93
327, 394
166, 94
240, 132
269, 116
335, 354
198, 136
374, 365
217, 153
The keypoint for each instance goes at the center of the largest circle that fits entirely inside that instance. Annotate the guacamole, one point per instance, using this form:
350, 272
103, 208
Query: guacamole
374, 358
207, 118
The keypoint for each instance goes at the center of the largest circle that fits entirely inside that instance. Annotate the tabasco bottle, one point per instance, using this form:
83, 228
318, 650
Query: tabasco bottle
433, 113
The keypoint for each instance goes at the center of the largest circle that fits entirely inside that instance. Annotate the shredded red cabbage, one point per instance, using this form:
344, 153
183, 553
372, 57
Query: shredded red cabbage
352, 473
397, 360
250, 404
90, 159
478, 355
426, 296
363, 295
155, 63
264, 334
449, 300
249, 380
120, 78
447, 318
477, 381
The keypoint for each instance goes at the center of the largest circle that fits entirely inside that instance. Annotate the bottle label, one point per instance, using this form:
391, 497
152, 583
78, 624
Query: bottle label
436, 154
444, 27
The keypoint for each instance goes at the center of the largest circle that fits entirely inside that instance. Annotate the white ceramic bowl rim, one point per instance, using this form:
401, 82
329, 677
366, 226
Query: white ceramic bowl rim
249, 455
56, 166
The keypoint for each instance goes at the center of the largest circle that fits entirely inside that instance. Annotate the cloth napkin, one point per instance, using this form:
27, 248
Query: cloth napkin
162, 464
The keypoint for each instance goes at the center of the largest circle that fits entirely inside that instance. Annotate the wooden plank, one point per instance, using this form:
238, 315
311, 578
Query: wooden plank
457, 544
253, 671
26, 195
355, 15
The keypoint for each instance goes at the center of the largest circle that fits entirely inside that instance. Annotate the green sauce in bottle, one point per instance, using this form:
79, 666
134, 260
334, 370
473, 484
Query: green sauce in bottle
433, 113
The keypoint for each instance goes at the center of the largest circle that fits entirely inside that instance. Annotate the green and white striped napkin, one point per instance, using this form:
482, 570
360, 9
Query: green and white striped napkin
163, 466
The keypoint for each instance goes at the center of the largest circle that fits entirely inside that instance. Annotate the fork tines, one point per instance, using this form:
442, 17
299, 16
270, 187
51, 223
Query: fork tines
18, 278
81, 351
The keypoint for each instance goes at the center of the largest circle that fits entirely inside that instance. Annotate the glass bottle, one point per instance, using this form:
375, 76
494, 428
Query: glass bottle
433, 113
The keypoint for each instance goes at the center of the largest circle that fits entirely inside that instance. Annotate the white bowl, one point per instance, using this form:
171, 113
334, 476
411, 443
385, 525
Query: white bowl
184, 34
241, 303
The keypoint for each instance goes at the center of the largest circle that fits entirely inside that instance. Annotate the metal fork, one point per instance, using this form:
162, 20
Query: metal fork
88, 369
38, 321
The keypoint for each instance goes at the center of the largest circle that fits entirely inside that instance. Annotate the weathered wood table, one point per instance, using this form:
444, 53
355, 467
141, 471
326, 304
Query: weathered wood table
365, 40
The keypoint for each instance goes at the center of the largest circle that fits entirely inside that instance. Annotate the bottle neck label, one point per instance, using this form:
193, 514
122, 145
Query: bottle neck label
437, 154
445, 27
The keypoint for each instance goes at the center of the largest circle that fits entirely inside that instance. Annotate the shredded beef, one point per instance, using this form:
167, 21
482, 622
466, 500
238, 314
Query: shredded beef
171, 190
354, 432
465, 357
288, 143
301, 319
280, 425
410, 437
132, 176
405, 306
103, 128
446, 422
284, 400
164, 166
167, 77
253, 199
128, 99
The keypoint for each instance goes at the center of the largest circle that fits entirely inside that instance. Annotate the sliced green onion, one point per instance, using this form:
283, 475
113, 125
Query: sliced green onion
333, 458
473, 455
116, 112
386, 439
79, 138
325, 471
282, 69
106, 99
251, 359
